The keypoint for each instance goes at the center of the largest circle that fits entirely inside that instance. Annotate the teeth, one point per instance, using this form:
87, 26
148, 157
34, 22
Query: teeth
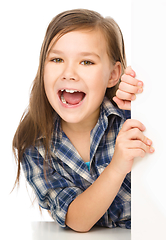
69, 90
62, 99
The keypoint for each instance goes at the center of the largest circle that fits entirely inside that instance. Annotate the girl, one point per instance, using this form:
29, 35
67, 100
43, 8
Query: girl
75, 145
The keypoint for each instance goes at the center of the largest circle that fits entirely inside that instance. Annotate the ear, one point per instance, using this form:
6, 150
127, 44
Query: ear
115, 75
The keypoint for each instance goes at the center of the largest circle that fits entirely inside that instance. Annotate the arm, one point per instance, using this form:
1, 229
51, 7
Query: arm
90, 205
128, 88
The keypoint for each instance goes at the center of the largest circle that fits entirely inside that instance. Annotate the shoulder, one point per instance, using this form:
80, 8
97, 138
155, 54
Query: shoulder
31, 156
38, 151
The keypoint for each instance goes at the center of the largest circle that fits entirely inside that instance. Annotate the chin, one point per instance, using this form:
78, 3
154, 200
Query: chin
71, 120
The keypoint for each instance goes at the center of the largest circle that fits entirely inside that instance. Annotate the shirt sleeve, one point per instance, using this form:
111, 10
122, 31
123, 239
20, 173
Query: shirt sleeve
55, 191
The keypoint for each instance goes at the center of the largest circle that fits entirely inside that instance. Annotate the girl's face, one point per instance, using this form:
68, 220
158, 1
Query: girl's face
76, 75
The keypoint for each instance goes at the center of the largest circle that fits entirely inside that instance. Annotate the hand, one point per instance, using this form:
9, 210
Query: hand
128, 88
130, 143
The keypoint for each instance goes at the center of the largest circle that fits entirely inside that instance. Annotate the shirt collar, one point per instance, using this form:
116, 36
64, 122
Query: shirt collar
108, 108
62, 148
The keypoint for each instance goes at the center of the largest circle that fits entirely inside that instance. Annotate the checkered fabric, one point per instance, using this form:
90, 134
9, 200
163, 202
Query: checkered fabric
68, 175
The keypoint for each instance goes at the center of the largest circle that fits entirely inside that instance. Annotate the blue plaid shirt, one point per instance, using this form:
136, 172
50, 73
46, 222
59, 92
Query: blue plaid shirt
68, 175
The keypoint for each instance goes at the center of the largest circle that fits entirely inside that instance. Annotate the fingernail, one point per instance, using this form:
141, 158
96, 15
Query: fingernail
140, 84
132, 74
149, 142
133, 97
140, 90
143, 127
151, 150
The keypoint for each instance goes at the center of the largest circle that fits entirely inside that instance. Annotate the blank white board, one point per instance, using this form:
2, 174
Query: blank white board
149, 173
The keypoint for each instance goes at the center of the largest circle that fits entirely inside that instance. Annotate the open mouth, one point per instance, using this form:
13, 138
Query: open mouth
71, 97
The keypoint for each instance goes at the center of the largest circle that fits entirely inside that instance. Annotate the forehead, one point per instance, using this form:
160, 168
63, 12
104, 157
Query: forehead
81, 40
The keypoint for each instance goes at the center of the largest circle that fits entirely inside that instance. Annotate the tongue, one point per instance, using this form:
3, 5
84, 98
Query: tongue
73, 98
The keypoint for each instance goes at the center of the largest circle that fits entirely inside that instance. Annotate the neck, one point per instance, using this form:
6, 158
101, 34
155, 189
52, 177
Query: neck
81, 127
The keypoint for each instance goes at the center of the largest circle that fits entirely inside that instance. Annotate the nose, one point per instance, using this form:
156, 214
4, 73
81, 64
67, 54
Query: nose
70, 73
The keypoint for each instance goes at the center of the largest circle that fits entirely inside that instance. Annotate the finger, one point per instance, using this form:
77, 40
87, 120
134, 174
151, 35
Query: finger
137, 144
131, 80
132, 123
130, 71
136, 134
125, 95
122, 104
125, 87
137, 153
138, 138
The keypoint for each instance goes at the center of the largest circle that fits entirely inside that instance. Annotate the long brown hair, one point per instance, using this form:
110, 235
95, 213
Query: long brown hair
37, 120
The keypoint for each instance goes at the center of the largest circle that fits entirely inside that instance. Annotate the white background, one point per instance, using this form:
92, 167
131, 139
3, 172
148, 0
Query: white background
22, 29
148, 174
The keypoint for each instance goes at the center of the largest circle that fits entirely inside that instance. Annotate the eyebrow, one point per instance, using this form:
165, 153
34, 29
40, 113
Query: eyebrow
54, 51
89, 54
86, 54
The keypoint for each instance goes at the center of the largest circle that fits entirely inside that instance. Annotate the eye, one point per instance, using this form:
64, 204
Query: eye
57, 60
87, 63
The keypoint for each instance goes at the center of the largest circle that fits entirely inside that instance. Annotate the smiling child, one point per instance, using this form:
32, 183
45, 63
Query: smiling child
75, 145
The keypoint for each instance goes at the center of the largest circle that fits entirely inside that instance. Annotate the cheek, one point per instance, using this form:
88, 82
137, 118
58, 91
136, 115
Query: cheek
50, 93
48, 85
48, 75
101, 79
49, 78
